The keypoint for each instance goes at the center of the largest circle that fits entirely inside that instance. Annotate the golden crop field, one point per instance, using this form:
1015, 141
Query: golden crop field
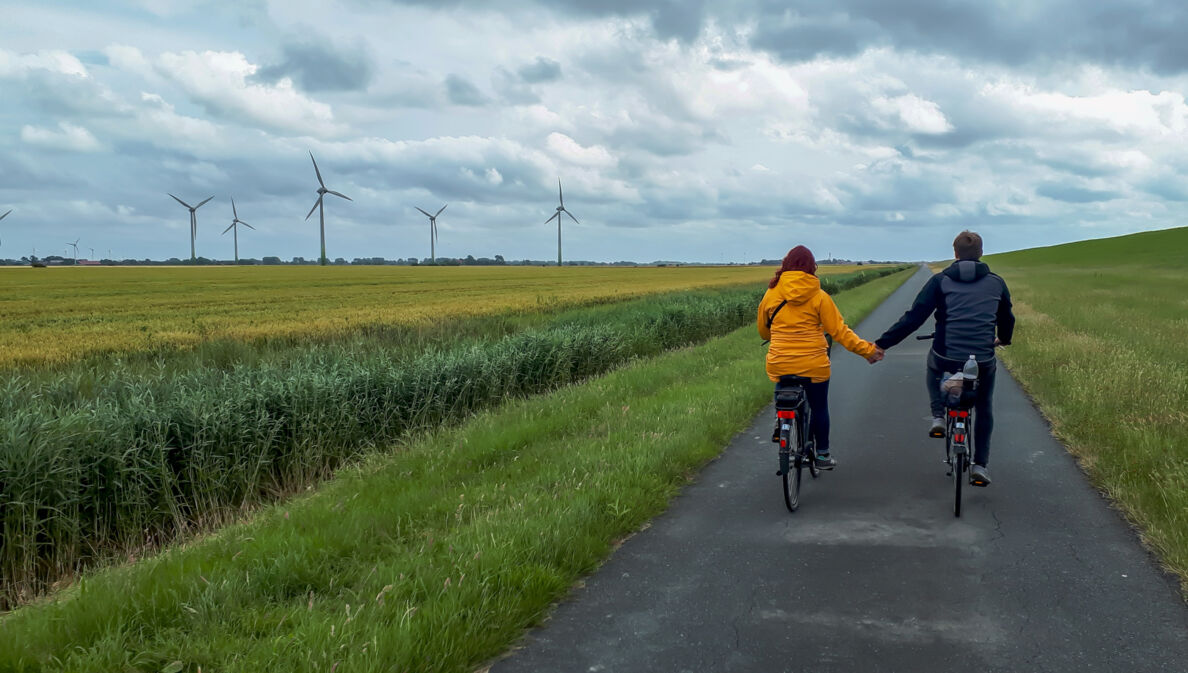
60, 314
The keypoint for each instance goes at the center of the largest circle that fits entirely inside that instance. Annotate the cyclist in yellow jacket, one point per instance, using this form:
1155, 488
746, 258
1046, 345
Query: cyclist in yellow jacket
795, 315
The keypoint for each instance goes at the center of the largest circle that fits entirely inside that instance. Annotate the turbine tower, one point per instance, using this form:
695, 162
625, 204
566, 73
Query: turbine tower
234, 225
322, 192
560, 209
193, 223
432, 231
5, 214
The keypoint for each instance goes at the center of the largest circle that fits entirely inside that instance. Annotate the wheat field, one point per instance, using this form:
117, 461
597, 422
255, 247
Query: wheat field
57, 315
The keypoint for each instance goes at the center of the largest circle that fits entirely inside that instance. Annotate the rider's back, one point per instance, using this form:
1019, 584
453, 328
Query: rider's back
971, 305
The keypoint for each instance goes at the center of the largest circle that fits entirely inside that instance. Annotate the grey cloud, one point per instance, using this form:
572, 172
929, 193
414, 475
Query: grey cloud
1166, 187
671, 19
541, 70
1117, 32
795, 37
319, 68
461, 92
1073, 194
512, 88
895, 186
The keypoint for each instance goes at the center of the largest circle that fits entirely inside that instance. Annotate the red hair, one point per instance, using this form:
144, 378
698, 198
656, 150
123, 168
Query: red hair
799, 258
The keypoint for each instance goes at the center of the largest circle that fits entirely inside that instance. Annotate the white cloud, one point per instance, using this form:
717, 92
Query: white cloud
67, 137
914, 113
568, 149
163, 126
128, 58
54, 60
1141, 113
221, 81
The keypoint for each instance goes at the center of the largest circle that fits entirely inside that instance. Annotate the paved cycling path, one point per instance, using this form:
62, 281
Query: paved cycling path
874, 573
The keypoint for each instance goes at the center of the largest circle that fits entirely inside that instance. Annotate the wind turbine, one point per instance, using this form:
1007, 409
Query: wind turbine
5, 214
193, 222
235, 222
432, 231
75, 246
560, 209
322, 192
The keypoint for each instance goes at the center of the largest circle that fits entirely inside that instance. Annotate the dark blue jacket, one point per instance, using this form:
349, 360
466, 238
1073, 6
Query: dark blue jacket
970, 304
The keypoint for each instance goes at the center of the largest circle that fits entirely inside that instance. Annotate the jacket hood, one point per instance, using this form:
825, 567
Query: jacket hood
967, 271
797, 287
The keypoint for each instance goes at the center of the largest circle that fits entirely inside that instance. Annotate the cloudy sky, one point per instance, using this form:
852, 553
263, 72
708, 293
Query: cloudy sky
681, 129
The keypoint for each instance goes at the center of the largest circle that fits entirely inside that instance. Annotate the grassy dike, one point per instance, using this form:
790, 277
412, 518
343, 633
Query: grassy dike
432, 559
1100, 347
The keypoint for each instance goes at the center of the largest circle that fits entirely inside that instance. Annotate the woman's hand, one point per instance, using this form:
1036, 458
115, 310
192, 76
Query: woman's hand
876, 356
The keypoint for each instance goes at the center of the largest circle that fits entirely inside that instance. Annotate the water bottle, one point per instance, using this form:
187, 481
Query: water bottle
970, 371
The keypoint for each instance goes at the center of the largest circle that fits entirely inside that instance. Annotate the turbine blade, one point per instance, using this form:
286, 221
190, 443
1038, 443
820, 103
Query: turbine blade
328, 191
247, 225
426, 214
315, 207
556, 214
239, 221
442, 208
560, 196
180, 201
201, 204
434, 225
5, 215
315, 163
571, 216
228, 227
233, 211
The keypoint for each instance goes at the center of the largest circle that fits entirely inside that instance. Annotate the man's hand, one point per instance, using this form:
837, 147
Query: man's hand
877, 355
997, 342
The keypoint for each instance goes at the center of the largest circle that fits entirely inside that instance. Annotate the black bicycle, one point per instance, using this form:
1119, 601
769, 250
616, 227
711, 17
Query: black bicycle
959, 421
796, 448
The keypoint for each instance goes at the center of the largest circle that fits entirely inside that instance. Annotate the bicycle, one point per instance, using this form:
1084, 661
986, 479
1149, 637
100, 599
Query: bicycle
959, 420
796, 449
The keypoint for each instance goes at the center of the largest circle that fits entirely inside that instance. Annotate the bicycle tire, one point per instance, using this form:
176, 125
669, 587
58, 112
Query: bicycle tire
810, 455
791, 476
961, 463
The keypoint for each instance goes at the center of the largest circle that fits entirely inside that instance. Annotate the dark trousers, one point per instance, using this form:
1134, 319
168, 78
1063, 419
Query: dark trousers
984, 407
818, 401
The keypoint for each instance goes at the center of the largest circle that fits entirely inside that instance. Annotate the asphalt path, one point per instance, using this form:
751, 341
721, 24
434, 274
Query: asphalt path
874, 573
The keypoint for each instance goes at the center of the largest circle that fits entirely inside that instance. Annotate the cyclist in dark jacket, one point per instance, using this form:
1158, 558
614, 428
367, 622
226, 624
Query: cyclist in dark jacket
971, 305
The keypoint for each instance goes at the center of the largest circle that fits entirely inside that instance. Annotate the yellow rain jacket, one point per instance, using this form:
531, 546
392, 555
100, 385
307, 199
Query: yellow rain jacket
797, 334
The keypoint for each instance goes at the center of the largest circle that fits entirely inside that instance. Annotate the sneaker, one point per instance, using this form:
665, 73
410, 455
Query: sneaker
938, 427
979, 475
824, 462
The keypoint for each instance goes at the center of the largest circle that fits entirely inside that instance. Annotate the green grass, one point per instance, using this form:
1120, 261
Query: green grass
1100, 346
434, 558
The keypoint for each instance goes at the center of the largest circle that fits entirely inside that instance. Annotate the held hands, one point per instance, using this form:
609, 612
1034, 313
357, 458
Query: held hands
877, 355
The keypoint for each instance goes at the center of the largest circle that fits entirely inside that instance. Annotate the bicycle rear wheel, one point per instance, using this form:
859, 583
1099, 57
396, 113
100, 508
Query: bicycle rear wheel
960, 466
791, 475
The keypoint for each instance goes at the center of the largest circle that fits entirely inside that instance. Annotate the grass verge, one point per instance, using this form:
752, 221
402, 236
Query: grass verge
1099, 346
432, 559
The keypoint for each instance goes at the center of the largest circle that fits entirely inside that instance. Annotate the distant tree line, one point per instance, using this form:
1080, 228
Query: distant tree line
469, 260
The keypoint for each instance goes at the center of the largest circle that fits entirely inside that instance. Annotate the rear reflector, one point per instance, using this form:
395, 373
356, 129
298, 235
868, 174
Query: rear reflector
785, 414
